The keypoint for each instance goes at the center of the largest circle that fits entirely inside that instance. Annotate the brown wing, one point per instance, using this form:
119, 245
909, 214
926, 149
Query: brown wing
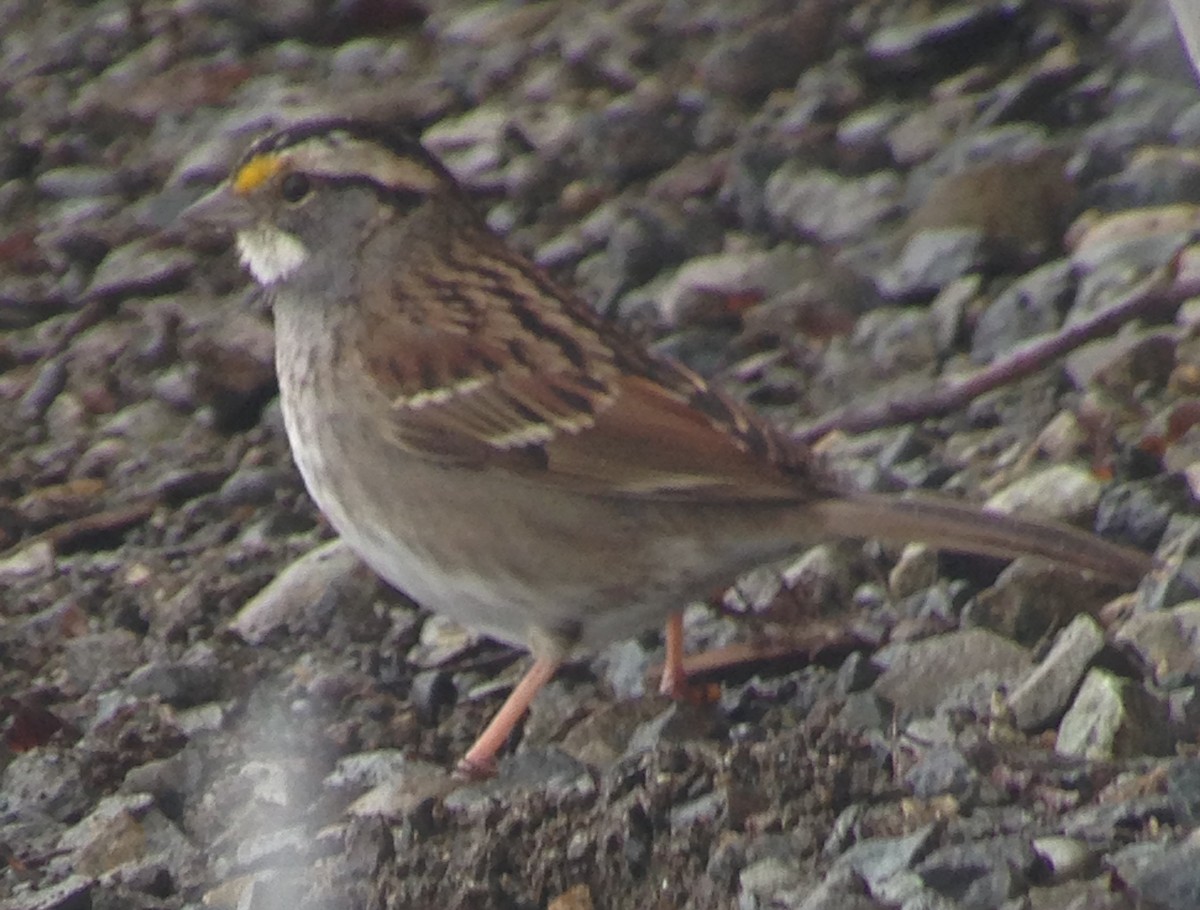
487, 362
652, 442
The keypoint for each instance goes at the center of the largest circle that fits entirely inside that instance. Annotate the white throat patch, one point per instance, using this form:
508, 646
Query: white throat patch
269, 253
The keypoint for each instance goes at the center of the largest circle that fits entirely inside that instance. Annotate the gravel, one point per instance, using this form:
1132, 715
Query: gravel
205, 701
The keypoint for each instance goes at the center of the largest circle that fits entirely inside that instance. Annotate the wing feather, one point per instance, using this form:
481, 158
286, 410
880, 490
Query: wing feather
486, 361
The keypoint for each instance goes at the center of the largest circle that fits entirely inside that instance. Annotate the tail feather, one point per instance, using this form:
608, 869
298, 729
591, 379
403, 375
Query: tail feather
949, 525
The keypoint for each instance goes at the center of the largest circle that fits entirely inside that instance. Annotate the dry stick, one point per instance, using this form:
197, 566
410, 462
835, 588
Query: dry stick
1159, 291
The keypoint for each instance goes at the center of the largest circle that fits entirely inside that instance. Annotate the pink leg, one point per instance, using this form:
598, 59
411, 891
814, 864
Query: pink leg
480, 760
674, 677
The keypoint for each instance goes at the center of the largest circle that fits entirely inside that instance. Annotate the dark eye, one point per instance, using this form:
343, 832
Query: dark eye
295, 186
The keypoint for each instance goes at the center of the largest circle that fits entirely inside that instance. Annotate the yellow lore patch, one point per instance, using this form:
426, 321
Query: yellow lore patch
255, 172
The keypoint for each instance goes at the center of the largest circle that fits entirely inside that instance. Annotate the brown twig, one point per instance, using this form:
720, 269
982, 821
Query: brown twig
86, 530
1160, 291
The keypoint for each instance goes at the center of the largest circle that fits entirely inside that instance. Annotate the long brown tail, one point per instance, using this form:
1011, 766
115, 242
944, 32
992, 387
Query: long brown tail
949, 525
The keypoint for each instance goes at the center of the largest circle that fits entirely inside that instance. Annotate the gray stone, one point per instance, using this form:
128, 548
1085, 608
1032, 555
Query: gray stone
866, 711
986, 821
1147, 107
97, 824
702, 287
879, 858
862, 136
125, 831
856, 673
442, 640
1042, 696
1183, 789
77, 181
470, 144
234, 364
282, 603
1183, 704
1031, 306
46, 780
184, 484
635, 135
1063, 491
918, 675
66, 417
910, 48
1156, 176
102, 657
838, 891
36, 558
252, 486
177, 388
409, 786
49, 383
821, 577
282, 845
1186, 131
139, 269
101, 458
980, 875
897, 339
1124, 362
1111, 282
1086, 895
702, 811
940, 770
639, 247
765, 54
148, 423
1142, 513
680, 723
1104, 824
1064, 857
1131, 860
904, 889
914, 571
372, 58
33, 833
624, 666
827, 207
772, 881
165, 778
183, 683
1113, 717
363, 770
924, 131
931, 260
549, 772
432, 694
1167, 641
1168, 878
1034, 597
931, 900
73, 893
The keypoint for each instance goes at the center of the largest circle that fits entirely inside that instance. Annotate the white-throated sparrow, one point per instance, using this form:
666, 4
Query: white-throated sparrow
494, 449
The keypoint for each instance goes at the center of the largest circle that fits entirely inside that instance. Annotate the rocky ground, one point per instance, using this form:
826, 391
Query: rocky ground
204, 701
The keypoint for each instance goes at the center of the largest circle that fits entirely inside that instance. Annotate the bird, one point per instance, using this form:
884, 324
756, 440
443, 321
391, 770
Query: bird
491, 446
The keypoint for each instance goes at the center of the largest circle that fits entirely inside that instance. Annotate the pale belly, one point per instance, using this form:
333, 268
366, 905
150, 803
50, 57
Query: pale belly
515, 559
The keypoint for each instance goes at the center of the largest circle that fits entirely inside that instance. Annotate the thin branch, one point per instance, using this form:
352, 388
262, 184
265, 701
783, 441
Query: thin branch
1159, 292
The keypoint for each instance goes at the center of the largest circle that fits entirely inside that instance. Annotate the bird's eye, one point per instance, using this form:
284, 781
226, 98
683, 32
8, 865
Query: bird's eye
295, 186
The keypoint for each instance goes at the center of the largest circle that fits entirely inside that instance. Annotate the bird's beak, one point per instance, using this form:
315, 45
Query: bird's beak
222, 208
